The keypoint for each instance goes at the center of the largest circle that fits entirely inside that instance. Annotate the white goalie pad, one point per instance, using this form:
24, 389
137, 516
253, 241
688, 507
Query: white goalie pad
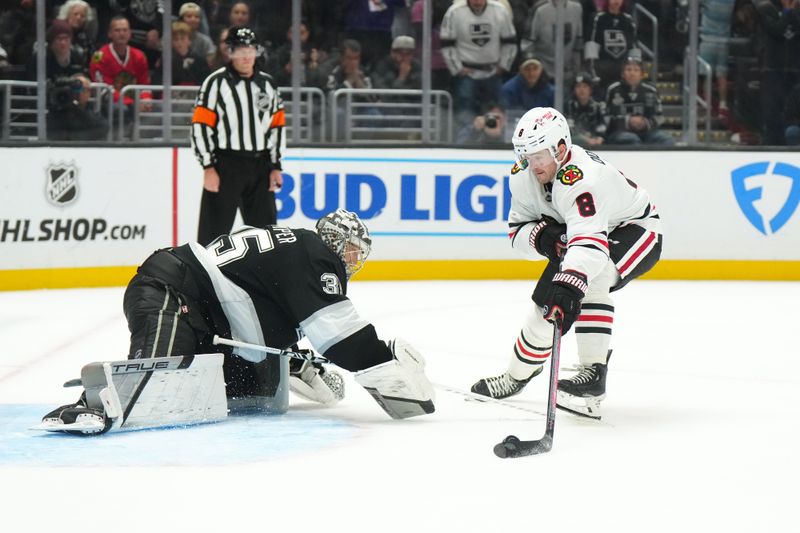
400, 385
149, 393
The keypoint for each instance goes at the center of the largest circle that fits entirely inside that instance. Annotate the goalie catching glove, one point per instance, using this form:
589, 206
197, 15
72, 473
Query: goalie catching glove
564, 301
549, 238
400, 385
314, 382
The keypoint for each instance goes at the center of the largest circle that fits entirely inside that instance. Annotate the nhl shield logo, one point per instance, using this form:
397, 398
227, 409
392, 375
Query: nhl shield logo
62, 184
263, 101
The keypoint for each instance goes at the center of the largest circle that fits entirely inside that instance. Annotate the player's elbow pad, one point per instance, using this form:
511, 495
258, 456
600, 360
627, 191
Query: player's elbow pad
521, 241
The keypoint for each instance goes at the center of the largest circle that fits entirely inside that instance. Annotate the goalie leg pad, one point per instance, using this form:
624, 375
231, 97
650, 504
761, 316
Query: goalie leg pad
400, 386
144, 393
260, 387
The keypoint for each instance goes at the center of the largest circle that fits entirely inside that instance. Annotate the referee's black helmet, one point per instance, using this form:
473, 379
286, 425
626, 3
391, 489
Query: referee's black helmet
241, 36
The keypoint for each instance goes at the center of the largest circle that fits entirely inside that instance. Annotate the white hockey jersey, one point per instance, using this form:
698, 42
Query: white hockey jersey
478, 42
591, 197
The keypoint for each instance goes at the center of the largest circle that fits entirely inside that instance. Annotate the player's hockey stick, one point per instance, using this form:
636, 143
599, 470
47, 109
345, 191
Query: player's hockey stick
511, 445
305, 355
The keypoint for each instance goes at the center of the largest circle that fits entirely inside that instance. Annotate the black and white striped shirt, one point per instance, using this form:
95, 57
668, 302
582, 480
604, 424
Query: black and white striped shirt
238, 114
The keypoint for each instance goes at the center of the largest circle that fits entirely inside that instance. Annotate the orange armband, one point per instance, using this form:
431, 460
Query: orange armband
278, 119
203, 115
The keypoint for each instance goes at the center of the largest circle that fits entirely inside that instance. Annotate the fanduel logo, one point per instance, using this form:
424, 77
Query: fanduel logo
762, 177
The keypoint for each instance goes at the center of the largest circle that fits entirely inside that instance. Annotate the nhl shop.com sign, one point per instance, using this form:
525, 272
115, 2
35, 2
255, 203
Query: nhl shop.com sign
767, 193
61, 187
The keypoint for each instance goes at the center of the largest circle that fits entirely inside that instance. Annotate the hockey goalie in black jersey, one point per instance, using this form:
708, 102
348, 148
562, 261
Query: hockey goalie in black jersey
268, 286
598, 229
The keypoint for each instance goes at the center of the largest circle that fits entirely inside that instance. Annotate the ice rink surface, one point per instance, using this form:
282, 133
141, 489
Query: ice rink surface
699, 434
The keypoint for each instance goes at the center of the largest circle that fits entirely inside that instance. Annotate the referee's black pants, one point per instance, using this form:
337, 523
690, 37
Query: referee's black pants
243, 184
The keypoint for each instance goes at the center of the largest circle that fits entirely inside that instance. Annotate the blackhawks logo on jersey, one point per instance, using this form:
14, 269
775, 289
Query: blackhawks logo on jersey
569, 175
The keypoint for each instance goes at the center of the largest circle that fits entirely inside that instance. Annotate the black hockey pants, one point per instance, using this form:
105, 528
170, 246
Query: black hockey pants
165, 316
621, 241
244, 184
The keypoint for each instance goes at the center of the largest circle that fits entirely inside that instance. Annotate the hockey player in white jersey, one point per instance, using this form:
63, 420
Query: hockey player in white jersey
599, 231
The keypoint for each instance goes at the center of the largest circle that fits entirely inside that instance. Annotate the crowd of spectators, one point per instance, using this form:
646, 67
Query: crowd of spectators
495, 57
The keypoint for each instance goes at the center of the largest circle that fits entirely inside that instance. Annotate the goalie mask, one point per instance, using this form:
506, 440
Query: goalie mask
541, 128
347, 237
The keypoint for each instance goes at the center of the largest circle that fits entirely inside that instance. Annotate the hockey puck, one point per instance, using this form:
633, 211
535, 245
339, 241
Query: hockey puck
507, 448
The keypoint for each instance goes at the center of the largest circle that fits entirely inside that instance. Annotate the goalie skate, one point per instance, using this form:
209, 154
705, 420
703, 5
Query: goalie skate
582, 393
75, 419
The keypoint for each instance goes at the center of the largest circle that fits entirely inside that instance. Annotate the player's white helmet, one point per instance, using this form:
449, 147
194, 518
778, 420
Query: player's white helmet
539, 129
347, 236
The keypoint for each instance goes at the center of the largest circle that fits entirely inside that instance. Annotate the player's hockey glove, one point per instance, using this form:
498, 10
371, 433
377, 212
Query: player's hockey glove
549, 238
564, 300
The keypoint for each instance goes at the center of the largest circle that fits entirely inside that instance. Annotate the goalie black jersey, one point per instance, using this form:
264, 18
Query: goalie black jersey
276, 285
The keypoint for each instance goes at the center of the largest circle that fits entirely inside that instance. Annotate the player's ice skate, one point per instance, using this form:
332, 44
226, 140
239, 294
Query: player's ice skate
502, 386
582, 393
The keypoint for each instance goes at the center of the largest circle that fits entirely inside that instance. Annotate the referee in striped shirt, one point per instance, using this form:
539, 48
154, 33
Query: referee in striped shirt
238, 137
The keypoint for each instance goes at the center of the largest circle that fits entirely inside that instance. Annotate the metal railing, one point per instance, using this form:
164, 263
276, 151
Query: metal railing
648, 52
143, 119
394, 116
102, 102
312, 114
18, 113
704, 70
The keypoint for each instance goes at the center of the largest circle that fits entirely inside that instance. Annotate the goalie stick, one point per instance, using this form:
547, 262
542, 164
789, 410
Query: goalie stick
512, 446
485, 399
308, 355
305, 355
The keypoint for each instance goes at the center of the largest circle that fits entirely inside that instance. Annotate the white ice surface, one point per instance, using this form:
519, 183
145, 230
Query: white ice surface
700, 429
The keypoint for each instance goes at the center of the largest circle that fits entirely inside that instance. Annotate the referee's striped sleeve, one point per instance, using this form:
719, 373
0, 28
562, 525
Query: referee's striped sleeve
204, 121
277, 130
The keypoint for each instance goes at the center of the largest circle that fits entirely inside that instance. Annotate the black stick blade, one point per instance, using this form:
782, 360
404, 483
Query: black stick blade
512, 447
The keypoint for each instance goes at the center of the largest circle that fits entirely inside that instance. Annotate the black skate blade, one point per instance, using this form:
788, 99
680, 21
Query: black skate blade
578, 413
